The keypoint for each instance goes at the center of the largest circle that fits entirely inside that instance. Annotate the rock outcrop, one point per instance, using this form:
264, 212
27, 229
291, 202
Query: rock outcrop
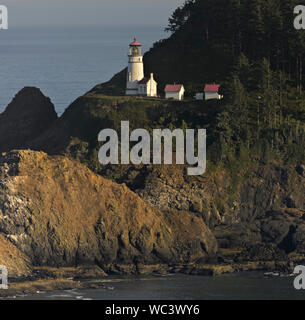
58, 213
25, 118
264, 216
17, 263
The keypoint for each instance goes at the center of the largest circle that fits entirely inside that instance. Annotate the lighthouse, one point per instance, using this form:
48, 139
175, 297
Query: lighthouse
135, 71
137, 84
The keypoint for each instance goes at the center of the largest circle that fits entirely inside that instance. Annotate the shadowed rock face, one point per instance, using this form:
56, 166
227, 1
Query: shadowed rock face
25, 118
59, 213
268, 208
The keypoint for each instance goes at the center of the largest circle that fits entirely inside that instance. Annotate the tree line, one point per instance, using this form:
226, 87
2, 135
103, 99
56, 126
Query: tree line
264, 106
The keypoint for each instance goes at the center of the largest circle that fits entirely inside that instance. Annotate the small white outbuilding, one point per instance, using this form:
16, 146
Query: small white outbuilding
174, 91
199, 96
212, 92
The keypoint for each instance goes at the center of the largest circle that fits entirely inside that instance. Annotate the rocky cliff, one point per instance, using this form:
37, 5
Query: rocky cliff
58, 213
264, 215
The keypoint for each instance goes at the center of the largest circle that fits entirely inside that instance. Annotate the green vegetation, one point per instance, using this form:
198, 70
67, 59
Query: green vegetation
88, 115
208, 37
253, 50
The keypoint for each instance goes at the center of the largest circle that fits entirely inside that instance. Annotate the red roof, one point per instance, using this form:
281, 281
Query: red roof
143, 81
173, 87
135, 43
212, 88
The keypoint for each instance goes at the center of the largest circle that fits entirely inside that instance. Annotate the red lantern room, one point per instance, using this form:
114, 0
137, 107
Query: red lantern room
135, 48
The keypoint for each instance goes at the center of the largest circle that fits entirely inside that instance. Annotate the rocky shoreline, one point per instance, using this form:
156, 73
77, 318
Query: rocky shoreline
46, 279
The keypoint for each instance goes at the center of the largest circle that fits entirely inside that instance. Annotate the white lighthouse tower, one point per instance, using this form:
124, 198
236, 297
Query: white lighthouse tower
135, 68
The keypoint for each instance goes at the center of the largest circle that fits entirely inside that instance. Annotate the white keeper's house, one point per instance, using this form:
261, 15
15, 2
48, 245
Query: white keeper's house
137, 84
174, 91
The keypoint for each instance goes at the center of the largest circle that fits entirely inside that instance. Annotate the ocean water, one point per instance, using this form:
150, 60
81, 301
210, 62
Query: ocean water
240, 286
66, 62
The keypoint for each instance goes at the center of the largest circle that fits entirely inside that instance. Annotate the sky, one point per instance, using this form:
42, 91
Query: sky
89, 12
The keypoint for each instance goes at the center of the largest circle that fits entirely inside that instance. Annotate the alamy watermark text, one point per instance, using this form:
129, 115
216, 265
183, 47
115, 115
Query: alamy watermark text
3, 278
3, 18
141, 150
299, 21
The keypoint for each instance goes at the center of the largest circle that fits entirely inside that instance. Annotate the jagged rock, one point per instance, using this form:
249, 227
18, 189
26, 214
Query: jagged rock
25, 118
59, 213
274, 231
263, 252
238, 235
17, 263
298, 238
